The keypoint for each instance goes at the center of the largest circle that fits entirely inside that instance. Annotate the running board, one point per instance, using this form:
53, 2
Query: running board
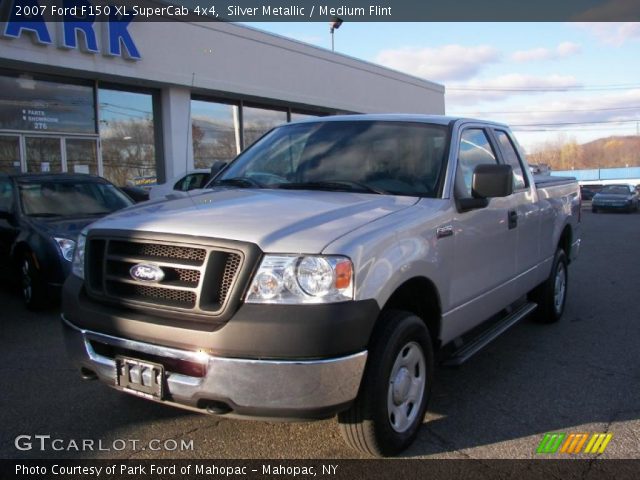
469, 349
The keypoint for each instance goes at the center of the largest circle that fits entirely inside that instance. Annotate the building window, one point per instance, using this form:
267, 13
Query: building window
33, 105
127, 137
215, 131
43, 154
82, 155
9, 154
257, 121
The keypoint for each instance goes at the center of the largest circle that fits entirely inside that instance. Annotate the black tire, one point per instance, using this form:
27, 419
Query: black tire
386, 416
551, 296
594, 210
31, 284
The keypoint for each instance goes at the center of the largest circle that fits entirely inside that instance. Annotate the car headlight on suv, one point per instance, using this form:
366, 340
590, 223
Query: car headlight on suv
296, 279
77, 267
66, 247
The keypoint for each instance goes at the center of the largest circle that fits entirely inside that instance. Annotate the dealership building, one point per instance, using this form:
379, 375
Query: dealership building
140, 100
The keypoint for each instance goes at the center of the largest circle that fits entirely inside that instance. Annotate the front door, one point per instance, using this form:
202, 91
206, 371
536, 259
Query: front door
483, 264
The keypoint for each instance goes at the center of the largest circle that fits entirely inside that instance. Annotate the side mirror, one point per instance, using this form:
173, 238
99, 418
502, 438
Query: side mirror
216, 168
488, 181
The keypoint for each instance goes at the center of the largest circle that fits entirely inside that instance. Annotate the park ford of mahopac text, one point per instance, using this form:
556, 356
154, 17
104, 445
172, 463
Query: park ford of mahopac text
324, 271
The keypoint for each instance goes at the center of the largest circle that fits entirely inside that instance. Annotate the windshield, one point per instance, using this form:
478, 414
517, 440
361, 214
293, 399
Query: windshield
64, 198
399, 158
616, 190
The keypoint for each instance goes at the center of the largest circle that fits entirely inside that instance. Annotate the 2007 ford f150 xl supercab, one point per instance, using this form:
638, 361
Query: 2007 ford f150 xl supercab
321, 271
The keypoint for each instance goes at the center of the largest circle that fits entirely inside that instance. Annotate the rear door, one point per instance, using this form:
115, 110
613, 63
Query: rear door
524, 210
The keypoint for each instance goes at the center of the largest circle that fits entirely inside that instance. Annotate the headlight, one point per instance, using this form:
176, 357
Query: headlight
78, 259
294, 279
66, 247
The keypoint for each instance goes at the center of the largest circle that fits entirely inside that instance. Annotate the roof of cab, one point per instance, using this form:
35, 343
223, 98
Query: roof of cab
400, 117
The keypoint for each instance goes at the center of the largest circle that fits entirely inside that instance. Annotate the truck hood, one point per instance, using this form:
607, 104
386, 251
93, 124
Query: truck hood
278, 221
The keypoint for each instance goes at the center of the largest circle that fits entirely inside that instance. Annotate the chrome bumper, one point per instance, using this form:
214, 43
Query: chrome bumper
264, 388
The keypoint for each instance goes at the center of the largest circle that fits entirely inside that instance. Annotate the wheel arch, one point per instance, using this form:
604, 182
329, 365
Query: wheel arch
566, 241
420, 296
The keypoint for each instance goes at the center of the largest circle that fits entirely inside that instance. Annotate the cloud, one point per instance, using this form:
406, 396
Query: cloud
612, 33
445, 63
562, 109
611, 10
505, 86
563, 50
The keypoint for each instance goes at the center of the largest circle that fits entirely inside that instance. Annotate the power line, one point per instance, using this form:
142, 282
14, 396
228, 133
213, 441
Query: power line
553, 111
546, 88
552, 124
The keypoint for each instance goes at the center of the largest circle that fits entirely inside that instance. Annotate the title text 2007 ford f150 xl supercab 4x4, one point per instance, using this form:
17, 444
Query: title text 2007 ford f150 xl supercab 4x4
321, 270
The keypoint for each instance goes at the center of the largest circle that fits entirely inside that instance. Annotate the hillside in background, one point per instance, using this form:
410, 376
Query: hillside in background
602, 153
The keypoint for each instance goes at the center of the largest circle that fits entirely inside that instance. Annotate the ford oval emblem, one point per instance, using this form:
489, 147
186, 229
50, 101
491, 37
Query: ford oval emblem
146, 272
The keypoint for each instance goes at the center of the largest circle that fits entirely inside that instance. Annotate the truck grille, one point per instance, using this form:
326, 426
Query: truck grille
197, 279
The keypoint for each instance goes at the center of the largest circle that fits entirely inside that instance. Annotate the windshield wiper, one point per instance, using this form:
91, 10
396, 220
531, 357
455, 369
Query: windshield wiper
242, 182
339, 185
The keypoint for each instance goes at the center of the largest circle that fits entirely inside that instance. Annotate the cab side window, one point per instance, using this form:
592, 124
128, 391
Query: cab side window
475, 149
511, 157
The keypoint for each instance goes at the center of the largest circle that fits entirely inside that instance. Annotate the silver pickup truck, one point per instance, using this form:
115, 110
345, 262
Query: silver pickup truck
323, 272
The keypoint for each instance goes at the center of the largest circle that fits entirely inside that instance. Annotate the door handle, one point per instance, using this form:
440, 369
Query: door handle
513, 219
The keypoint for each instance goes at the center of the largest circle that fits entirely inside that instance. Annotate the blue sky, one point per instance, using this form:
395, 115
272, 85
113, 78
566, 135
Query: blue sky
589, 72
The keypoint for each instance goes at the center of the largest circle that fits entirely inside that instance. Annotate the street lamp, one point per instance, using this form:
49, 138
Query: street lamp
335, 24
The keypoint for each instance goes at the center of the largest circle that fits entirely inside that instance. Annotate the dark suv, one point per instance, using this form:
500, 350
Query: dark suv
41, 216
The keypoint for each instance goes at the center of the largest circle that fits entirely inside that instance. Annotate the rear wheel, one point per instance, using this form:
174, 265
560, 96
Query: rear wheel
32, 287
551, 296
395, 390
594, 210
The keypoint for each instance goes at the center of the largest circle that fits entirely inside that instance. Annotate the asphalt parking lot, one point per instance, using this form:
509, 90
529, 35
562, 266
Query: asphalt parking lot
581, 375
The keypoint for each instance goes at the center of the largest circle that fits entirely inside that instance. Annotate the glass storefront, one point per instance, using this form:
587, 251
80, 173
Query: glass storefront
257, 121
215, 130
47, 125
50, 124
127, 137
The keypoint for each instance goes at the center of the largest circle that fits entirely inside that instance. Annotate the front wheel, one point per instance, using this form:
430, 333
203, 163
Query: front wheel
395, 390
33, 292
551, 296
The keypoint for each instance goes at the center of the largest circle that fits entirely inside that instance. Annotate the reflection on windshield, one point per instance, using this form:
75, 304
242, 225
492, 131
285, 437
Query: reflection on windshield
65, 198
382, 157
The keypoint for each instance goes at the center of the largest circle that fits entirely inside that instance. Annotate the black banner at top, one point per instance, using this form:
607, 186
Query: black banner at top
321, 10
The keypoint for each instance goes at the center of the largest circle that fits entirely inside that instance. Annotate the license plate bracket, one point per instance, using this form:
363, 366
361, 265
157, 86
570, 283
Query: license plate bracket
140, 377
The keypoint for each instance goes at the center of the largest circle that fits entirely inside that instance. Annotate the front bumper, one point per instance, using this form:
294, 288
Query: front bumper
295, 389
